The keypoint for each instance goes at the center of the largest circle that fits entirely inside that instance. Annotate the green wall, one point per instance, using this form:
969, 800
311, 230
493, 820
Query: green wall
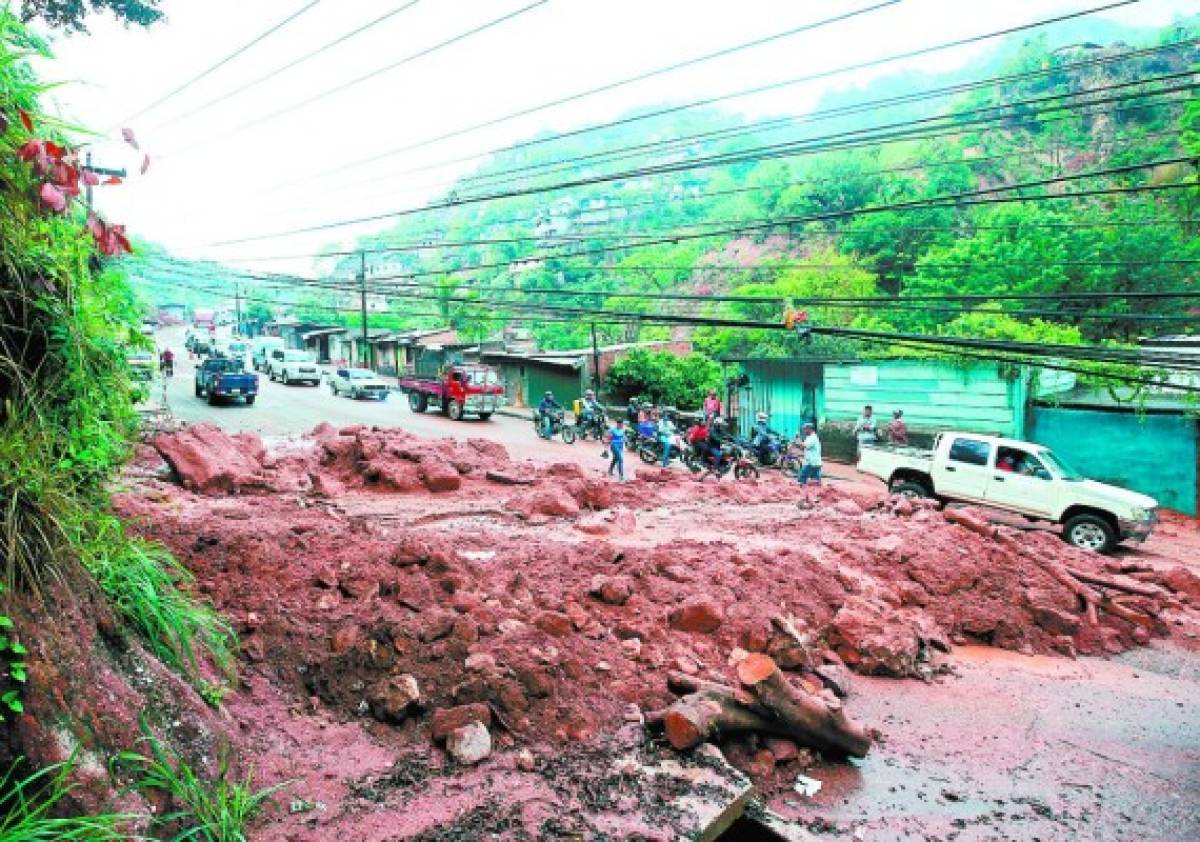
1154, 454
566, 384
787, 390
933, 395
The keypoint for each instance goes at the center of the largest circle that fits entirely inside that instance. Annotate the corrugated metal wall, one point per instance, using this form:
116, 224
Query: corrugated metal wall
787, 390
1153, 454
932, 395
566, 384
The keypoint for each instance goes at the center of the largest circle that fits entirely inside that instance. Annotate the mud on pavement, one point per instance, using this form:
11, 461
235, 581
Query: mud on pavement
439, 642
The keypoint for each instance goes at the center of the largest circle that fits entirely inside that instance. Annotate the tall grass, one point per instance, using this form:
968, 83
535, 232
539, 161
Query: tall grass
27, 806
211, 811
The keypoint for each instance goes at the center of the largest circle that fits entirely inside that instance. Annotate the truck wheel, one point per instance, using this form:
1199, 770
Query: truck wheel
212, 399
455, 411
483, 416
250, 400
418, 401
909, 488
199, 392
1090, 532
333, 389
286, 378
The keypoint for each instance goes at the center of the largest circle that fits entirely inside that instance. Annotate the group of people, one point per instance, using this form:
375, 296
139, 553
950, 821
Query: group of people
709, 435
868, 431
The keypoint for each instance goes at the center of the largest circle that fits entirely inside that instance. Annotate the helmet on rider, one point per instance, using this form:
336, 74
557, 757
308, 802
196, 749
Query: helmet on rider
762, 416
590, 393
548, 394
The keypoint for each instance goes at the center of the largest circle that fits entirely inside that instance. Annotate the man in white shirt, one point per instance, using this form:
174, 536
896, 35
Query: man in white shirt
810, 468
865, 426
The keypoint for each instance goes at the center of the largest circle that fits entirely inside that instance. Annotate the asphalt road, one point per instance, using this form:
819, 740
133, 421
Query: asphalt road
290, 410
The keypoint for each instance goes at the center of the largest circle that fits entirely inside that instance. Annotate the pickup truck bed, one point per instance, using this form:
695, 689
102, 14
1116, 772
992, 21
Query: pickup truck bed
224, 379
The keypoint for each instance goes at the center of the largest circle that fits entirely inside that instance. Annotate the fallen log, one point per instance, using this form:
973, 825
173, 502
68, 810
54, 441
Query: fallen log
770, 706
1128, 585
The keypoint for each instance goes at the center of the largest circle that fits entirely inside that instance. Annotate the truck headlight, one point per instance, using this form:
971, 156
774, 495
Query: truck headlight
1139, 514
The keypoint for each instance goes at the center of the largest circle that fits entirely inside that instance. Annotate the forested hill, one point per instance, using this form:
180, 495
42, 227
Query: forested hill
908, 187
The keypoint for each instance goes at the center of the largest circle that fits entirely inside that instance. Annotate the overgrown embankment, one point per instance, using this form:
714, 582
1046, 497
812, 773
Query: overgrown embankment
100, 639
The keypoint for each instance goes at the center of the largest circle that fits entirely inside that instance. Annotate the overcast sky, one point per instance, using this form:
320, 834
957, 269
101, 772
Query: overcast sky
211, 180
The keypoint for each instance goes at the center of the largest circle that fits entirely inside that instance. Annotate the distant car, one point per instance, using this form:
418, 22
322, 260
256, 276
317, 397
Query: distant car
291, 366
358, 383
261, 347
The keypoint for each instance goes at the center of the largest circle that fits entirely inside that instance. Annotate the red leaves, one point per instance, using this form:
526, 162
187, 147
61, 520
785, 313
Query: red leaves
53, 198
130, 139
30, 150
26, 120
110, 239
145, 164
89, 178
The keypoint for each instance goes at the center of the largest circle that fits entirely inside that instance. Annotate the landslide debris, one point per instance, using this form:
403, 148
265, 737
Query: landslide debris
540, 605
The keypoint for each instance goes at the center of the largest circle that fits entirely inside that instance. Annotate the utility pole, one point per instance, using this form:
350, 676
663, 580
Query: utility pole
595, 358
237, 307
362, 286
97, 171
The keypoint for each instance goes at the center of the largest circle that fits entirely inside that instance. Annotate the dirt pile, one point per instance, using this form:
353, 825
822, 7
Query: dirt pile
434, 586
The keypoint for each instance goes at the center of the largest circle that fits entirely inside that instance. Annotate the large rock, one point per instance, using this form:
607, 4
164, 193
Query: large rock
1182, 580
438, 476
698, 614
207, 459
553, 502
393, 698
469, 744
446, 720
874, 638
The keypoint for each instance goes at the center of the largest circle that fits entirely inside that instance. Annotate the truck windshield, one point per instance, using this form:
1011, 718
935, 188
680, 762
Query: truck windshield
361, 374
226, 366
297, 356
482, 377
1060, 467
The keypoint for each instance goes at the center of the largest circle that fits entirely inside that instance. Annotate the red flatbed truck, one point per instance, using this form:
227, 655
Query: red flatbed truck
458, 391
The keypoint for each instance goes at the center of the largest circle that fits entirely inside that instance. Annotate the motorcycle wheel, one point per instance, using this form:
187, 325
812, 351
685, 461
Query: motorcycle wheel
568, 435
648, 454
744, 470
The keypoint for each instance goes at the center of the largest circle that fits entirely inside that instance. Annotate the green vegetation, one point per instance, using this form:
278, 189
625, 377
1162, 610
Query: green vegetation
27, 810
12, 667
71, 14
567, 242
664, 379
213, 811
67, 319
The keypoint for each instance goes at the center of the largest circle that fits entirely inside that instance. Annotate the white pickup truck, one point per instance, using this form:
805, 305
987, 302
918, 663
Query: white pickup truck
1016, 476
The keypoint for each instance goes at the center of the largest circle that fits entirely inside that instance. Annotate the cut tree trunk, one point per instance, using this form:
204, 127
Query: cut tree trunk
770, 705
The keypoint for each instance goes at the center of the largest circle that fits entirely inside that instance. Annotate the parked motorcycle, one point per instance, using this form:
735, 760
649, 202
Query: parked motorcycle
557, 427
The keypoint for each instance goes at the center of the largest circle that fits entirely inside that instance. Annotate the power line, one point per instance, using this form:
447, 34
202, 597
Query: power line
286, 67
368, 76
737, 94
954, 199
239, 51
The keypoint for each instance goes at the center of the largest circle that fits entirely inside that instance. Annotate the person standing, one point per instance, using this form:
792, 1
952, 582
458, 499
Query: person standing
898, 430
712, 407
865, 427
616, 447
666, 430
810, 465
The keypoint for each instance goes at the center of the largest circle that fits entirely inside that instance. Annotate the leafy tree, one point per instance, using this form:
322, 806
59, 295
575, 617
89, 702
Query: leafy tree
664, 378
71, 14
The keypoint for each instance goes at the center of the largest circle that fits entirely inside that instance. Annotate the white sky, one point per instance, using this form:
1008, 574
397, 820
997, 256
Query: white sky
206, 184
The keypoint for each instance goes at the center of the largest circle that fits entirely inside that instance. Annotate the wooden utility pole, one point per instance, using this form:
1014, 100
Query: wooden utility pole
362, 286
595, 358
87, 194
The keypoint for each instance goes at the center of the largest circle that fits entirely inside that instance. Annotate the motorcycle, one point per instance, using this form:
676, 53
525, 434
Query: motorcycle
650, 449
769, 455
590, 425
733, 458
557, 427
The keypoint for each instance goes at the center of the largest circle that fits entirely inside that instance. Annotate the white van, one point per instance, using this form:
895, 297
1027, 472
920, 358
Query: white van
262, 346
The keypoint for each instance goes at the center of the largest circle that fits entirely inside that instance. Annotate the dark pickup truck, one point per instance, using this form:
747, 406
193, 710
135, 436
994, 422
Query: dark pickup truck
224, 378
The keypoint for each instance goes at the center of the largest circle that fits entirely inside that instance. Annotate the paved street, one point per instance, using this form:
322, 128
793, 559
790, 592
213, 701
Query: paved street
289, 410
